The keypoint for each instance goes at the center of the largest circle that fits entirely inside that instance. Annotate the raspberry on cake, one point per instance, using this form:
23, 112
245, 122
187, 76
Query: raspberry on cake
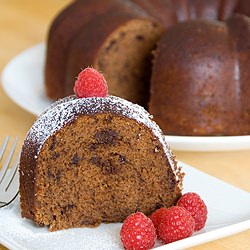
90, 83
91, 160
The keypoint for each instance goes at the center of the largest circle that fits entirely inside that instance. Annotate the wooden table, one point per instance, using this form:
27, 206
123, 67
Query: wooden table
24, 24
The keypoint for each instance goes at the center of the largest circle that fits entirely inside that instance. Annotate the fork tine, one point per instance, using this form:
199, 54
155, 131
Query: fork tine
3, 147
7, 161
14, 189
9, 185
10, 178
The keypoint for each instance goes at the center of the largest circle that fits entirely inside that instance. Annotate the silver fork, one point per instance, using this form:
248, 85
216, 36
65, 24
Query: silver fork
9, 178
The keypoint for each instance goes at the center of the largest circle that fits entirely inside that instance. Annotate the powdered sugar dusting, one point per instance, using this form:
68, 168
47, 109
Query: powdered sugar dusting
18, 233
67, 109
21, 233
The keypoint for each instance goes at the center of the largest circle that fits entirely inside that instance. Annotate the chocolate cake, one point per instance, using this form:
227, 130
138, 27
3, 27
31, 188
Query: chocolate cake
127, 39
91, 160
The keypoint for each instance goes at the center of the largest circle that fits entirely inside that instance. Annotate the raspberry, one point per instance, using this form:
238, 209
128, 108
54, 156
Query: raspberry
90, 83
193, 203
176, 224
156, 217
138, 232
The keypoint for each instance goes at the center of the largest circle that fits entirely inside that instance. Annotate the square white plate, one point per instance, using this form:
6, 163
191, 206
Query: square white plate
228, 213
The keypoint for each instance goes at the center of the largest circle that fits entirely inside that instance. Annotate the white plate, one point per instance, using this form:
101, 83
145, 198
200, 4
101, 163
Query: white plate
209, 143
23, 81
228, 213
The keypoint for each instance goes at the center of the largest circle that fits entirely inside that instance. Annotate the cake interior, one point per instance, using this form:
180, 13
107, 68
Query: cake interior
101, 174
126, 59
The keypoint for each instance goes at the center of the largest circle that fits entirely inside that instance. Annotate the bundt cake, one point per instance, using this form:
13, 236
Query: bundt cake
97, 159
125, 39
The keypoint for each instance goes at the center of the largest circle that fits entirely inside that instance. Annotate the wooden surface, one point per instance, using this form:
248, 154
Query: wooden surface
24, 24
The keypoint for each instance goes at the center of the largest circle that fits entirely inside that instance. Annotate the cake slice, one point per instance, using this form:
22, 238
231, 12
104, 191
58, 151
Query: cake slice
91, 160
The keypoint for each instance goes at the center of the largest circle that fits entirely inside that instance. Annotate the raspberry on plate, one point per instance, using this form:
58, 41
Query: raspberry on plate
176, 224
138, 232
193, 203
90, 83
156, 217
